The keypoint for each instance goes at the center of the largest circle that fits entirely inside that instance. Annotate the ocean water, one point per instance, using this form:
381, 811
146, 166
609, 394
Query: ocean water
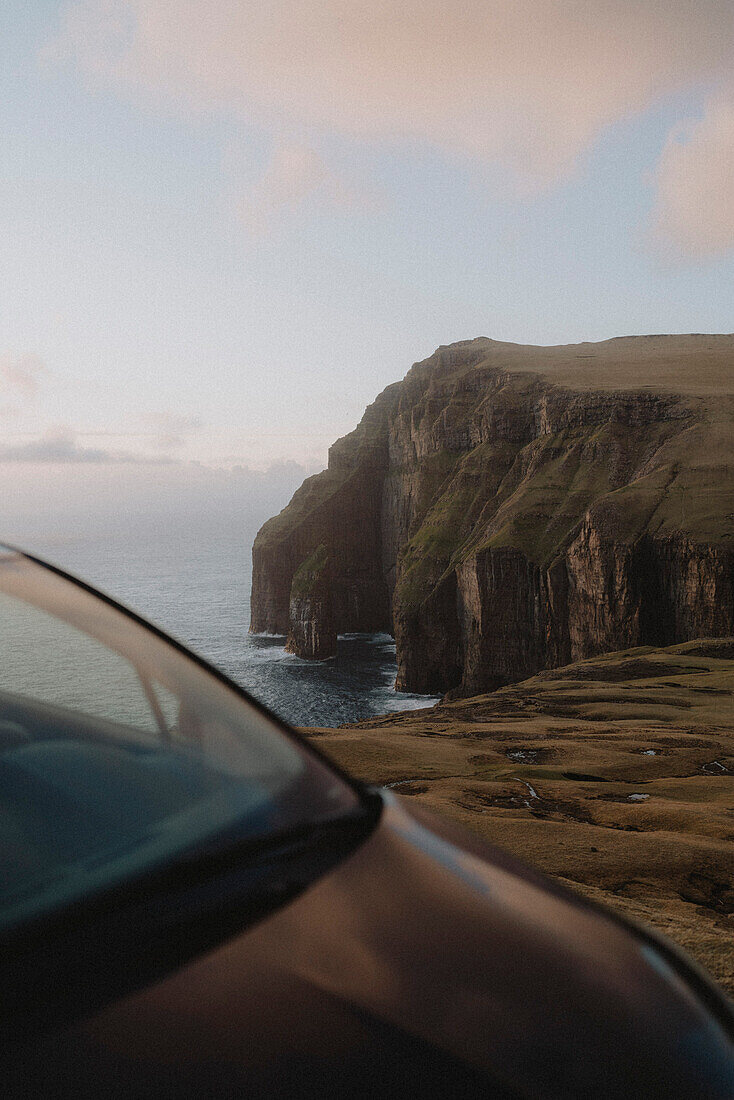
195, 584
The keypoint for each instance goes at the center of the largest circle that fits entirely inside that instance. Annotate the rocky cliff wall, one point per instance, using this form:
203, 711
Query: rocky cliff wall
498, 523
311, 624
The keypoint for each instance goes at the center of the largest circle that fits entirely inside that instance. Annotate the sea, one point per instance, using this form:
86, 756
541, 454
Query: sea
194, 583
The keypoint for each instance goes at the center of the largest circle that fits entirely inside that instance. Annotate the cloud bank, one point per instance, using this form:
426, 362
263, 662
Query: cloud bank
80, 499
525, 84
61, 445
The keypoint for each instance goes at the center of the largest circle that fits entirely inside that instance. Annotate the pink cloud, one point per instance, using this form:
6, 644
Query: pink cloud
527, 83
172, 431
296, 176
21, 374
694, 181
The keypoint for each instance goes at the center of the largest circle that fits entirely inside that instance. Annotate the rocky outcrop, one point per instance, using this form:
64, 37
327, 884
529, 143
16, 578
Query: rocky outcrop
312, 628
499, 522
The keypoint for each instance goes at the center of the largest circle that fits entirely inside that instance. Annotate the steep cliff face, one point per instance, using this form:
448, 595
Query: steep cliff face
507, 509
339, 509
312, 629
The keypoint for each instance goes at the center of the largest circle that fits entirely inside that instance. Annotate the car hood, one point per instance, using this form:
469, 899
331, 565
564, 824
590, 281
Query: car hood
423, 941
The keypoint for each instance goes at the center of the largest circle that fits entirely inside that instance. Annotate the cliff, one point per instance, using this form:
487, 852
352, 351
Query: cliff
506, 509
311, 626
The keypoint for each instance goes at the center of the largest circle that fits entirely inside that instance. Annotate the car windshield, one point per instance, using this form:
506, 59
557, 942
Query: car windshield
119, 753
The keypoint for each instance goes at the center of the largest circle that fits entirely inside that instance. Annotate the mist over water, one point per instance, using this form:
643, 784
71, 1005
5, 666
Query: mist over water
193, 580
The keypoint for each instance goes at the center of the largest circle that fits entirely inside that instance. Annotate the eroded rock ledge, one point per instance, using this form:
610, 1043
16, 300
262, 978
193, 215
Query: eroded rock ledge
505, 509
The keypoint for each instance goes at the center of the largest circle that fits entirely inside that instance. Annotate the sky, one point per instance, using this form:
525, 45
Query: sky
225, 226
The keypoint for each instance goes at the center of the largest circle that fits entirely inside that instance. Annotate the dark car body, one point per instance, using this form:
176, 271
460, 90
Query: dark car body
380, 951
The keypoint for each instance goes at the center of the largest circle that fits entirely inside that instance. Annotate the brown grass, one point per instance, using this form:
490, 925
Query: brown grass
661, 363
582, 738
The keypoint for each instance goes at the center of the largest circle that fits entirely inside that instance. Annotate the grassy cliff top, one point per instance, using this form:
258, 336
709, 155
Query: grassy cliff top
615, 774
692, 364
